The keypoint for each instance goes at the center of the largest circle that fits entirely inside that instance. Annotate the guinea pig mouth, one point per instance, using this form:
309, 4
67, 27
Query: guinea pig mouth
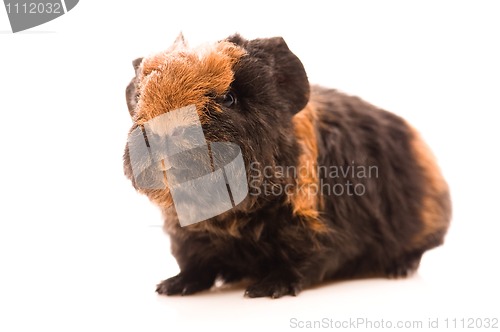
206, 181
187, 165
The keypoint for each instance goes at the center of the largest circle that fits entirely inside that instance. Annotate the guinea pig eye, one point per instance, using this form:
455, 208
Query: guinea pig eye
228, 100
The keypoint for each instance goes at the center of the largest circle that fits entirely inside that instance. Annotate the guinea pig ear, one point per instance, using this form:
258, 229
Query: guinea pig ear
291, 77
131, 92
290, 74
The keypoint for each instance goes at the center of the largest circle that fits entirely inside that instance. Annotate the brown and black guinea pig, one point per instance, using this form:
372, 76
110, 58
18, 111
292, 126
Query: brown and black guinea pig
368, 198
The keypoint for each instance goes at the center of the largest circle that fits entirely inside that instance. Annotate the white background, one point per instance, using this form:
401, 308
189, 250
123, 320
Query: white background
81, 251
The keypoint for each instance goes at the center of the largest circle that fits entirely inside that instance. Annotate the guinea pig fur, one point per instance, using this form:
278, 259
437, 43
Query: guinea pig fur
367, 198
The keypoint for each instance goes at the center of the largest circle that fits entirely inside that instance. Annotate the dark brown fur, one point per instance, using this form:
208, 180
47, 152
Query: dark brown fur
302, 236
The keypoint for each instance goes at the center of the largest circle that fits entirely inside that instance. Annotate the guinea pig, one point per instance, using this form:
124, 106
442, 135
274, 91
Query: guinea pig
337, 188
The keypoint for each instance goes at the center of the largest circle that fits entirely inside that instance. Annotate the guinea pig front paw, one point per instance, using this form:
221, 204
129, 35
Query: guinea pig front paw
185, 284
273, 287
404, 267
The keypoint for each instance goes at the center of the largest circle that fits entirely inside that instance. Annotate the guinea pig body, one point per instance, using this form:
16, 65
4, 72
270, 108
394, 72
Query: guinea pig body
338, 188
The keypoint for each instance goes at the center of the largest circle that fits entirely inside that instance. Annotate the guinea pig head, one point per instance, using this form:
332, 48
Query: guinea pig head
243, 91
